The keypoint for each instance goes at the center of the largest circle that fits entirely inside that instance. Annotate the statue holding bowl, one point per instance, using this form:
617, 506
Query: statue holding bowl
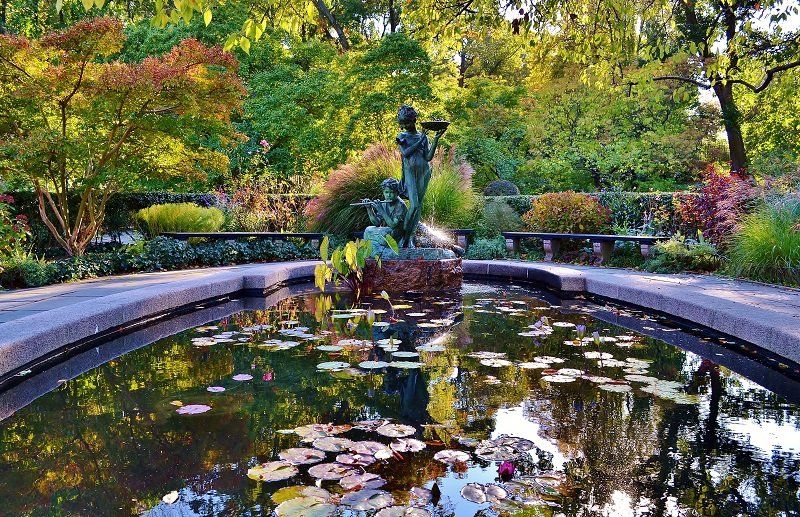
416, 152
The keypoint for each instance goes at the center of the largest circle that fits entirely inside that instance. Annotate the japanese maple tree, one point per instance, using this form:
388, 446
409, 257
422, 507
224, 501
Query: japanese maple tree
81, 126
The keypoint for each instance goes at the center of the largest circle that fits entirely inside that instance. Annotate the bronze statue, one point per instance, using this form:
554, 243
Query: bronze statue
388, 218
416, 152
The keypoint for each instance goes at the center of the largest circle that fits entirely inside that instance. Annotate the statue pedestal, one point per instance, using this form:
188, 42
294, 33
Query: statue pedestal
417, 269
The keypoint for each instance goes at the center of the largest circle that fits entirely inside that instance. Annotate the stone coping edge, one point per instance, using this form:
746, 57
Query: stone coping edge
24, 340
769, 330
27, 339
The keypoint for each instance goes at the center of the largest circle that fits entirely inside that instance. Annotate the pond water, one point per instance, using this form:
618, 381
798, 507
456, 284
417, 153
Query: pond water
315, 408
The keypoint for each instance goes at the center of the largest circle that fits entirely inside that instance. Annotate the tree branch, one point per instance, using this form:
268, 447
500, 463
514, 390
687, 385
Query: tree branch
768, 76
683, 79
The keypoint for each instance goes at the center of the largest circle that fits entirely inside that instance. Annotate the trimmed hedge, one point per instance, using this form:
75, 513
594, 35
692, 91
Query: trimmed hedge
159, 254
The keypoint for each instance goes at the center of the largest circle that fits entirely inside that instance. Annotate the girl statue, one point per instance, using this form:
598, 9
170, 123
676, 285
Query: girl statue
416, 152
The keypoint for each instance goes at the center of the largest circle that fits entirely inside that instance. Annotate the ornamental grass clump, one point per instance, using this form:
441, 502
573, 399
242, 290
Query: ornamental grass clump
449, 202
767, 246
567, 212
179, 217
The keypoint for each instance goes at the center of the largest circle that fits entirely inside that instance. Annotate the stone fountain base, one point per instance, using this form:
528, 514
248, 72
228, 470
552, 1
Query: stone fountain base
417, 269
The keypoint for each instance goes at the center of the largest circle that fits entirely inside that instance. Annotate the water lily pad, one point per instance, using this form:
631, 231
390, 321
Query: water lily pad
381, 324
305, 507
301, 456
496, 363
332, 444
171, 497
415, 314
407, 445
533, 365
329, 348
193, 409
373, 365
571, 372
242, 377
332, 471
396, 430
406, 365
478, 493
598, 379
311, 432
290, 492
617, 388
403, 511
356, 460
493, 452
547, 359
597, 355
451, 456
376, 449
558, 378
215, 389
563, 324
343, 316
367, 480
368, 500
403, 353
420, 496
641, 378
519, 444
272, 471
487, 355
333, 366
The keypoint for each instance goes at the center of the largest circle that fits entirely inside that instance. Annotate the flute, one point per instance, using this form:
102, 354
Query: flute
367, 203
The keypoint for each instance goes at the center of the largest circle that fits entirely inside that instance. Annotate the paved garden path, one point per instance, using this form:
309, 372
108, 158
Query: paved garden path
24, 302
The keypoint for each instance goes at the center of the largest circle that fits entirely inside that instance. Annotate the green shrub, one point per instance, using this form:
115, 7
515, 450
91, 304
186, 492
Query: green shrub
680, 254
567, 212
487, 249
520, 204
501, 188
179, 217
497, 217
767, 245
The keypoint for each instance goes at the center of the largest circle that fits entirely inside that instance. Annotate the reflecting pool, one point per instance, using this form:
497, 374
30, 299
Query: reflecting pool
497, 400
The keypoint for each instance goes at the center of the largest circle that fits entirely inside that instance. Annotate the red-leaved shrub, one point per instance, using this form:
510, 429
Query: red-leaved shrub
720, 205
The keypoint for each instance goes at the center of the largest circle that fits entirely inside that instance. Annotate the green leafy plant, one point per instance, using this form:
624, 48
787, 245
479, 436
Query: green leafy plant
180, 217
498, 216
345, 265
767, 246
680, 254
487, 249
567, 212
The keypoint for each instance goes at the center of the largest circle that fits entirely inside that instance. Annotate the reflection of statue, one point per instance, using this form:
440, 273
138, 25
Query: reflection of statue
388, 217
416, 152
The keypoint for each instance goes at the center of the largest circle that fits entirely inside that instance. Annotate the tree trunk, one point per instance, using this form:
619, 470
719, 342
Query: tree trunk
3, 11
334, 23
731, 117
394, 19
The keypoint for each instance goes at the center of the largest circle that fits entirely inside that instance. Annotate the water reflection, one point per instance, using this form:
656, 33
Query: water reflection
109, 441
